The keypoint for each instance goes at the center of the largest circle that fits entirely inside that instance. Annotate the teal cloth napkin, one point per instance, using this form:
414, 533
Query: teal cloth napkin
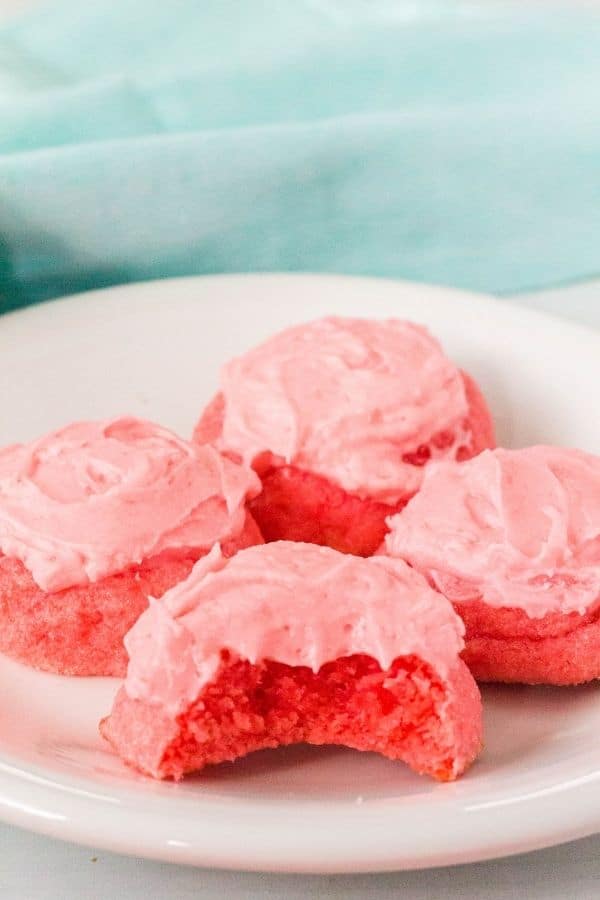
451, 142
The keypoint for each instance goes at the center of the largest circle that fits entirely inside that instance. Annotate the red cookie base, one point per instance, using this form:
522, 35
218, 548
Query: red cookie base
405, 713
80, 630
506, 645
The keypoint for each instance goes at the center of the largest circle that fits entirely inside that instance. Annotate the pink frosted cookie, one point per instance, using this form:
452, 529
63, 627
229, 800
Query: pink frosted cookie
339, 417
512, 538
96, 517
288, 643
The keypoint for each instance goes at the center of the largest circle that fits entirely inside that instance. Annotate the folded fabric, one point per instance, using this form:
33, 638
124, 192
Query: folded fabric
439, 141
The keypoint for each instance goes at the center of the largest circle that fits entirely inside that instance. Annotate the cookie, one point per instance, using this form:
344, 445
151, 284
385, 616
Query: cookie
340, 418
290, 642
96, 517
512, 538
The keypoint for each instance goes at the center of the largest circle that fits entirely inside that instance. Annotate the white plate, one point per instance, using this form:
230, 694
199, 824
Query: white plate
154, 349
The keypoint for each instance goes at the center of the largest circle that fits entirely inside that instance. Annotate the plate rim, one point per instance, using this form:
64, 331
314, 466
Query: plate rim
275, 850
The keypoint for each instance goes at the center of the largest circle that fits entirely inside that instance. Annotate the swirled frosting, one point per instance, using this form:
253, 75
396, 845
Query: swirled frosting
295, 603
93, 498
515, 528
346, 399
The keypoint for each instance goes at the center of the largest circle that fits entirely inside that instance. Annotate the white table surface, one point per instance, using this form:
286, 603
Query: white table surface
38, 868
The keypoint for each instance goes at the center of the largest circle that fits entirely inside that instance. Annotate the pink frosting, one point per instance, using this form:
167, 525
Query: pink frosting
295, 603
516, 528
345, 398
89, 500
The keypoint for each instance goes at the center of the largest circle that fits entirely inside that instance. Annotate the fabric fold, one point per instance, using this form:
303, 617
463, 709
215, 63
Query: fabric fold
445, 142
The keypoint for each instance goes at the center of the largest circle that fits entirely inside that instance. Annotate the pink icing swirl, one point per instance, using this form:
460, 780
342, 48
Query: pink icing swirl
295, 603
516, 528
346, 399
95, 497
